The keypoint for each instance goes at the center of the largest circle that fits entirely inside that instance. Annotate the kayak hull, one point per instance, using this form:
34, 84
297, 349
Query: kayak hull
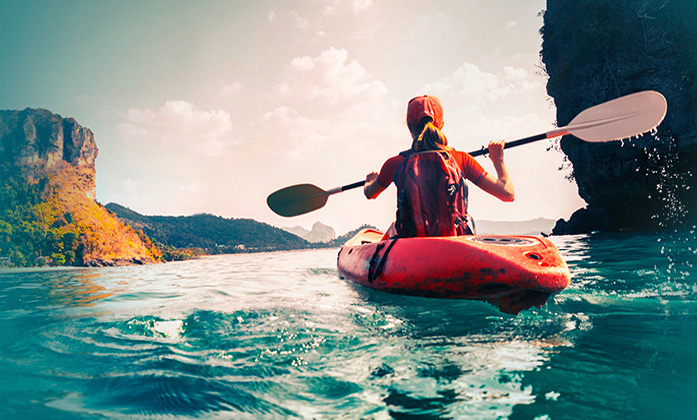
511, 272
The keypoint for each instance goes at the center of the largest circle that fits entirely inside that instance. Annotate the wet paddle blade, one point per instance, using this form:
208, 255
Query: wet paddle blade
297, 199
619, 118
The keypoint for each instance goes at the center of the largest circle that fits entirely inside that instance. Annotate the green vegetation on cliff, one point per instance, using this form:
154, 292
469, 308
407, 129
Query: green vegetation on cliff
51, 222
24, 238
182, 236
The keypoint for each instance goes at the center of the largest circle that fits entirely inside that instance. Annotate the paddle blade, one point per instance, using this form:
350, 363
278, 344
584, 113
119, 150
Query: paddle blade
619, 118
296, 200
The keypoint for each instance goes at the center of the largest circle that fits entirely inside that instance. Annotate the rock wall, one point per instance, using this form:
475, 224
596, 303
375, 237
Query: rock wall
597, 50
42, 143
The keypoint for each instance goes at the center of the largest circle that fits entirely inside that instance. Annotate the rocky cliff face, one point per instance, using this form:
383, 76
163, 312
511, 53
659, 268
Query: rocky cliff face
597, 50
319, 232
59, 155
42, 143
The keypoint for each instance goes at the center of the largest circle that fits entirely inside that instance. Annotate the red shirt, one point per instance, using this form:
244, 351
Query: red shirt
471, 169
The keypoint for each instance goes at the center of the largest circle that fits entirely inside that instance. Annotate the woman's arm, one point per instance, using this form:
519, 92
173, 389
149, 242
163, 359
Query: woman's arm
373, 186
501, 187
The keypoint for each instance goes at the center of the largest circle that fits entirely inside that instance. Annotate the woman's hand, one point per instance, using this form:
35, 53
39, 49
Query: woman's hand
372, 188
371, 177
496, 150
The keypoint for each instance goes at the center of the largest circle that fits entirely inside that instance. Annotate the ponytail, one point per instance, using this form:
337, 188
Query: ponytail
431, 138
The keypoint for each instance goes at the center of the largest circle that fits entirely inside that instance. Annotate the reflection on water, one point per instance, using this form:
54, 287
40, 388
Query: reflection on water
77, 288
280, 335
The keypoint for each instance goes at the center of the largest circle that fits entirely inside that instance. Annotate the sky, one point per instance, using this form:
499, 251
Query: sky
210, 106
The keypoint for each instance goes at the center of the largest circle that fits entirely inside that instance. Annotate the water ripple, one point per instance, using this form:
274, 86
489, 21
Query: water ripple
280, 335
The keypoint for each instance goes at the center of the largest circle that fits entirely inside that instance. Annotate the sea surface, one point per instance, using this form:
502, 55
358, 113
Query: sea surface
282, 336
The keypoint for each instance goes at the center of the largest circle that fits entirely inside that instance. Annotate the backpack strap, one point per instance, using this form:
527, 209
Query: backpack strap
400, 169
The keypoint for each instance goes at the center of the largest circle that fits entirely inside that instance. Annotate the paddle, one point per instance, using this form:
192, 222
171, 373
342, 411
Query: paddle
617, 119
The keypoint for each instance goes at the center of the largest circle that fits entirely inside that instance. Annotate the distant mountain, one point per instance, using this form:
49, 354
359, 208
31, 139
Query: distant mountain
319, 233
214, 234
297, 231
527, 227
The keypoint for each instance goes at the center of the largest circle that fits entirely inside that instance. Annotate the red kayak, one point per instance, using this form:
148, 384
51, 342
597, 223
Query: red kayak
511, 272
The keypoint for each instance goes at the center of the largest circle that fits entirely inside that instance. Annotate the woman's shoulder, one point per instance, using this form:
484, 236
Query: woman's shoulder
469, 165
400, 157
459, 156
459, 153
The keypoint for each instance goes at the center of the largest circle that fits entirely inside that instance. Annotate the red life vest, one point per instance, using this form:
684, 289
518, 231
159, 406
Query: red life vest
432, 195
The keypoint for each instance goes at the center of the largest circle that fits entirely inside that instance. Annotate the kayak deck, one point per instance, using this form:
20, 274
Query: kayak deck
511, 272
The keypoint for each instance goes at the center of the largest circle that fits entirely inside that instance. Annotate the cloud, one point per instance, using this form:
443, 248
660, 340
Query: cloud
359, 6
292, 133
229, 89
363, 34
300, 21
475, 88
329, 77
179, 124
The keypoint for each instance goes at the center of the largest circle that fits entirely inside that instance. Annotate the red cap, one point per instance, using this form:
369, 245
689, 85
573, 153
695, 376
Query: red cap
425, 106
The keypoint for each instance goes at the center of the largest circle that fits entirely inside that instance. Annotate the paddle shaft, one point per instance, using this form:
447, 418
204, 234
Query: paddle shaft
511, 144
346, 187
479, 152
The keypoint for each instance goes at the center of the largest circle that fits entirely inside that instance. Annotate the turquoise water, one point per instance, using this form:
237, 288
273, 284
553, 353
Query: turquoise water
280, 335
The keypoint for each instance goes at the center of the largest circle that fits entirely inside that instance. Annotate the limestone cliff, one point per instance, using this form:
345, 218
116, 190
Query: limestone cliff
597, 50
42, 143
319, 233
56, 156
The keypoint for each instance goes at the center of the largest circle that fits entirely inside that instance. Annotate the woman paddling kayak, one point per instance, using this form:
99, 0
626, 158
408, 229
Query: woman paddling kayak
430, 250
431, 192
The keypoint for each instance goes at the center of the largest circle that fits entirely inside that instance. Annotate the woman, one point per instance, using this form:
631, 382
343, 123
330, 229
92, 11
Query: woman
425, 120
